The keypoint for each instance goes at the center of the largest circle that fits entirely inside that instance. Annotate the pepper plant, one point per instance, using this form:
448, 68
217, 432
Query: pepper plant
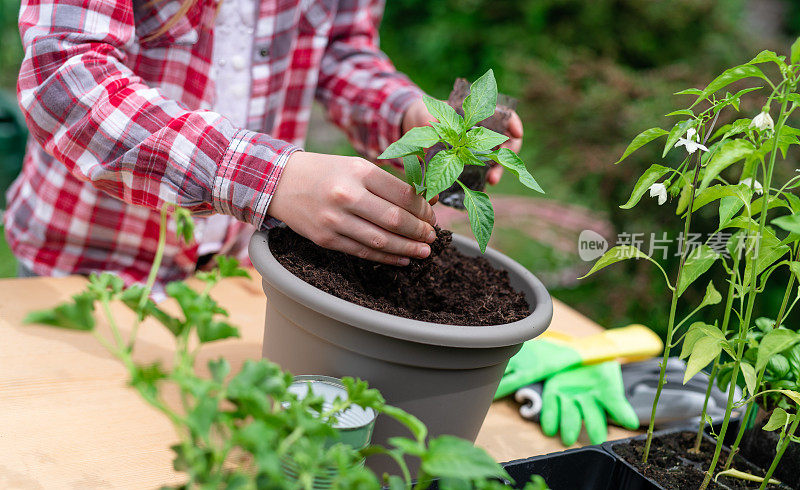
732, 168
237, 430
465, 144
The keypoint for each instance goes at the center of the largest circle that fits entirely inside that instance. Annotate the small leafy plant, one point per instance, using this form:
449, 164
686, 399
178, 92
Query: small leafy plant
733, 168
238, 430
465, 144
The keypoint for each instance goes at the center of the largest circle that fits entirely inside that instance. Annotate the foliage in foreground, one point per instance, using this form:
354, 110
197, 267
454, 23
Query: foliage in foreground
237, 430
725, 166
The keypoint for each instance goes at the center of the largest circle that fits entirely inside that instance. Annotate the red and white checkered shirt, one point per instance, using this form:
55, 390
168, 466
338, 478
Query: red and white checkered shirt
120, 122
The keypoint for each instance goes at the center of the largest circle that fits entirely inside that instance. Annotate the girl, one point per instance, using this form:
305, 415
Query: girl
132, 104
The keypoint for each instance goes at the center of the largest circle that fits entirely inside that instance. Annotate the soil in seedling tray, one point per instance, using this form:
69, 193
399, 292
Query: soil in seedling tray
675, 467
446, 287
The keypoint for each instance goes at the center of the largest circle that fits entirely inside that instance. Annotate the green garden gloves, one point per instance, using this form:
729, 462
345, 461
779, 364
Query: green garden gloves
537, 360
584, 395
543, 357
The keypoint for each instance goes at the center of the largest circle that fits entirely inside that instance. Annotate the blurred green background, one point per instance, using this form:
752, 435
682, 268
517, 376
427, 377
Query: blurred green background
589, 75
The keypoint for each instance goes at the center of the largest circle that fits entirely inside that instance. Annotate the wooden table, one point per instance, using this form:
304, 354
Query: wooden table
68, 420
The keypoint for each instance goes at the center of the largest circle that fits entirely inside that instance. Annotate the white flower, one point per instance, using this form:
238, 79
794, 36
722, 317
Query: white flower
763, 121
691, 141
658, 190
756, 185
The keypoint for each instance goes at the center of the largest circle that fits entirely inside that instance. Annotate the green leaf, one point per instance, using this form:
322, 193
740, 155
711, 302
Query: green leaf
648, 178
640, 140
211, 331
767, 56
689, 91
697, 331
411, 422
481, 215
682, 112
413, 170
697, 263
442, 170
75, 315
715, 192
790, 223
144, 378
617, 254
726, 155
481, 101
446, 134
184, 225
704, 351
445, 114
451, 457
712, 296
676, 132
219, 368
515, 165
202, 416
229, 267
774, 342
413, 142
728, 77
408, 446
795, 51
728, 206
792, 395
483, 139
778, 420
467, 157
749, 375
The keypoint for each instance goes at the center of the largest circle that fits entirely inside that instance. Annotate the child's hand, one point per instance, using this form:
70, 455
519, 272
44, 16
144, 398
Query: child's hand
349, 204
417, 115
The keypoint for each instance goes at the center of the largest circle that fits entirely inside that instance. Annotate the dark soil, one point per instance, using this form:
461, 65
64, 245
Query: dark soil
759, 446
446, 287
675, 467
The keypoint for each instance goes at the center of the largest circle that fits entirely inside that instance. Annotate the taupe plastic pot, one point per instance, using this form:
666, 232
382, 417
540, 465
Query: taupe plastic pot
446, 375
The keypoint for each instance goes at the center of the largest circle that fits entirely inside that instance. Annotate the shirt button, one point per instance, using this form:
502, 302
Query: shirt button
264, 51
221, 62
238, 62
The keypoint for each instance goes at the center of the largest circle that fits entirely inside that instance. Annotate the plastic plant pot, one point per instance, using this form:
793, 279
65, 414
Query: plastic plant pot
588, 468
446, 375
353, 426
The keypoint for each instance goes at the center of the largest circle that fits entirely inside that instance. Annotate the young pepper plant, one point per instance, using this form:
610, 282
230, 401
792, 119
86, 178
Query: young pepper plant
465, 144
726, 166
237, 430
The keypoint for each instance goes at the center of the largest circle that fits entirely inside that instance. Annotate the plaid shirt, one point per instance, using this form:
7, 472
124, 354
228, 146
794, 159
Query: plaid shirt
120, 122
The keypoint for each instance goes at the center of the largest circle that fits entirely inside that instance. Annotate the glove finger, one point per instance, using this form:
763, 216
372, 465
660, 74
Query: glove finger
570, 420
509, 383
620, 411
594, 418
548, 418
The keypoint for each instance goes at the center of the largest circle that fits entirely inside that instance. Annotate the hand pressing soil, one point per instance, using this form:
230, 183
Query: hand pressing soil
446, 287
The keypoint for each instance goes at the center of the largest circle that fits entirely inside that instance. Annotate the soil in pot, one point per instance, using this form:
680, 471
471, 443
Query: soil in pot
447, 287
672, 465
758, 446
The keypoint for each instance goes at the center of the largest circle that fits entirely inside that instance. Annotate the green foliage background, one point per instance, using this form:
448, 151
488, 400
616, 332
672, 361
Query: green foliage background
589, 75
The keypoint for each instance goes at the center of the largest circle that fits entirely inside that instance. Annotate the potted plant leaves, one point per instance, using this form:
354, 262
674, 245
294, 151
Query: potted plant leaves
433, 337
735, 169
261, 427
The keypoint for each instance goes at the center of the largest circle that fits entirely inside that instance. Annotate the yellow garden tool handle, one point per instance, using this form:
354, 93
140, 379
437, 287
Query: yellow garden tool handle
626, 344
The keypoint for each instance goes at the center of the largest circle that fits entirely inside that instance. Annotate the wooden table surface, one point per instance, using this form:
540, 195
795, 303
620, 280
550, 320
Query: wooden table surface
68, 420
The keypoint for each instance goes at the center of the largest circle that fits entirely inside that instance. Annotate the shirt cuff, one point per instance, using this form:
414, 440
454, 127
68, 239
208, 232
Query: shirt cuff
248, 175
391, 113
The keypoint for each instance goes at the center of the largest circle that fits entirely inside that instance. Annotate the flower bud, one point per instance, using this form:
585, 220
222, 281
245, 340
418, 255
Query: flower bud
763, 121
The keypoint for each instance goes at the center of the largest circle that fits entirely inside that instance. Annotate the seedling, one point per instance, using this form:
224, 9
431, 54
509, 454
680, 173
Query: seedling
465, 144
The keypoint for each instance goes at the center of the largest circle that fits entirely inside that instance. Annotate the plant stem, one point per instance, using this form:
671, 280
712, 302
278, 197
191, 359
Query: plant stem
745, 325
151, 277
782, 445
674, 305
751, 406
725, 322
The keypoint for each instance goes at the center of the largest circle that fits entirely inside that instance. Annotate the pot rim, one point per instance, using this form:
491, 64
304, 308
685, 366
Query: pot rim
467, 336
